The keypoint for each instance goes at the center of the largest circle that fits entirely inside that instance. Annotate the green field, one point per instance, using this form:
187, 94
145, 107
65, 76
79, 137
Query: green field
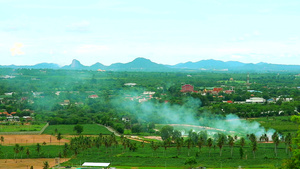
46, 151
146, 157
282, 124
19, 127
88, 129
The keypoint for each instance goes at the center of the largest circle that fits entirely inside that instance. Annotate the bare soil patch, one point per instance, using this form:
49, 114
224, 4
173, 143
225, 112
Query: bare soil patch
32, 139
27, 163
154, 137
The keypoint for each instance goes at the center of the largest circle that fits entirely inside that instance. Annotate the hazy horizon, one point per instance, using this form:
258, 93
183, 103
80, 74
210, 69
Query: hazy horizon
166, 32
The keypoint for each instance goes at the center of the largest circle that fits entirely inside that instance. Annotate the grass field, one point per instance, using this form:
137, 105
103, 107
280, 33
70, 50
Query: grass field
20, 128
46, 151
88, 129
282, 124
146, 157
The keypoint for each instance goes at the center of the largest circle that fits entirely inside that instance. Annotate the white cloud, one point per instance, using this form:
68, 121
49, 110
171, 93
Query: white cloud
17, 49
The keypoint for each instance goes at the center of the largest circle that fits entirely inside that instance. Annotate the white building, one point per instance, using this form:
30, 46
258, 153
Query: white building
255, 100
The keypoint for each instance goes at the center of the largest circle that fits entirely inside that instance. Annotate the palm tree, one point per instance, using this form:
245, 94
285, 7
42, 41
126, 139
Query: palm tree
252, 138
189, 143
17, 150
65, 150
154, 146
209, 144
38, 148
221, 142
241, 152
254, 147
46, 165
179, 143
242, 142
59, 137
21, 150
2, 139
288, 142
231, 143
165, 145
27, 152
276, 141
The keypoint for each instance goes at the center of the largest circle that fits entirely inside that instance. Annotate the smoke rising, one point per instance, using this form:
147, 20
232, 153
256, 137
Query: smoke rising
188, 114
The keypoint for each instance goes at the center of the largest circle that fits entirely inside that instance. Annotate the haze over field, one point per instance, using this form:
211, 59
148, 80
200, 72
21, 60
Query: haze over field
166, 32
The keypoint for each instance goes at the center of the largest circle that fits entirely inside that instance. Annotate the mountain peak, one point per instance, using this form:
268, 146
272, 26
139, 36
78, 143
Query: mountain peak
75, 63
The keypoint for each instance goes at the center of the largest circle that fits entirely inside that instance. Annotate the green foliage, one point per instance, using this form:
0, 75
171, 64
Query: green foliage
166, 132
294, 162
78, 128
89, 129
190, 161
46, 165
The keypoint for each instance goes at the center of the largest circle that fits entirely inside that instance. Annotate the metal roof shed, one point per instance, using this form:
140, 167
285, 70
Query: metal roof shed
92, 164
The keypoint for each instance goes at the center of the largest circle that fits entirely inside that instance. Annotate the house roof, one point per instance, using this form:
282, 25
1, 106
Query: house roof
92, 164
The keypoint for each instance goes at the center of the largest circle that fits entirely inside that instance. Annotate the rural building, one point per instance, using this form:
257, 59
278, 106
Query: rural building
229, 91
216, 90
130, 84
94, 96
126, 119
187, 88
255, 100
93, 164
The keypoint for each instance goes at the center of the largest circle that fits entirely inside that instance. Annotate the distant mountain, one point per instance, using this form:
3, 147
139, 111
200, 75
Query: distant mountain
143, 64
37, 66
235, 66
98, 66
138, 64
46, 66
75, 65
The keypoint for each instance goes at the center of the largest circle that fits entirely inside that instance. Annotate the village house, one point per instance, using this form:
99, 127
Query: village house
187, 88
94, 96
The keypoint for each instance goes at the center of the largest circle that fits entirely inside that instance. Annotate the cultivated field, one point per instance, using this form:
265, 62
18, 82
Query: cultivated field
27, 163
20, 128
32, 139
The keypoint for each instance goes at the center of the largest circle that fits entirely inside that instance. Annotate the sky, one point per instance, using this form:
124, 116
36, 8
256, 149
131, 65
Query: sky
164, 31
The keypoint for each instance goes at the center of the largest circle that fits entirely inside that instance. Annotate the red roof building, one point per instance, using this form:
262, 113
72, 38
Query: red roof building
187, 88
217, 89
94, 96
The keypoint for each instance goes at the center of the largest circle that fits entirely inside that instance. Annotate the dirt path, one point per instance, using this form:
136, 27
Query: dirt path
27, 163
111, 130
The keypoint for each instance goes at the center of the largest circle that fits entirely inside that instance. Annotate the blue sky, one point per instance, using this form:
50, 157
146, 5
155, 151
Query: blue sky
164, 31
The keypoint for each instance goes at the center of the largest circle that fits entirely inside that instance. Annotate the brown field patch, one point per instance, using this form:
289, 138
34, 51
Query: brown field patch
27, 163
32, 139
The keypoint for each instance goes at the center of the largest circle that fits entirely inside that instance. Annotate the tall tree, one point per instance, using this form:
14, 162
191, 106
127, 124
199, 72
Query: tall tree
242, 142
231, 144
276, 141
38, 149
78, 128
17, 149
59, 137
288, 142
189, 143
241, 152
221, 142
2, 139
166, 132
46, 165
27, 152
209, 144
254, 148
